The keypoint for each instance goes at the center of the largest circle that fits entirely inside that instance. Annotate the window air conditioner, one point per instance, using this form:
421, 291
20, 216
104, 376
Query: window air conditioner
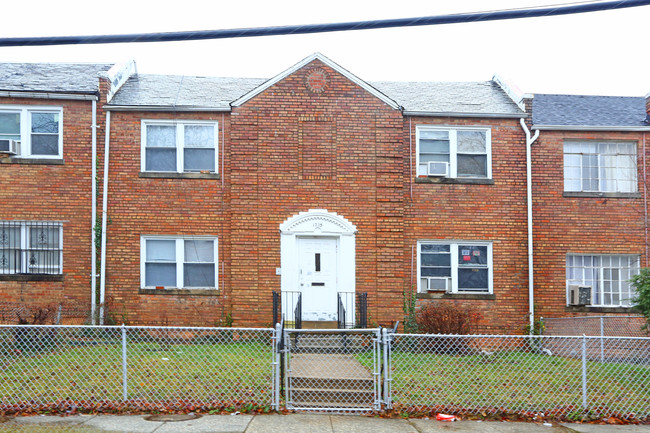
9, 146
438, 169
439, 284
579, 295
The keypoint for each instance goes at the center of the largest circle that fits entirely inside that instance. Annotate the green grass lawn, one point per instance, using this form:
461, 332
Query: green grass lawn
155, 372
515, 380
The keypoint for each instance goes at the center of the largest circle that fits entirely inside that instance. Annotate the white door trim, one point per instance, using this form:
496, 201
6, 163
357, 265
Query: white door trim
317, 223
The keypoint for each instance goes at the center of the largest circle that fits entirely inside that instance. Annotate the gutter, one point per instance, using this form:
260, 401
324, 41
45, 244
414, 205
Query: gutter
48, 95
590, 128
164, 108
529, 205
460, 114
102, 282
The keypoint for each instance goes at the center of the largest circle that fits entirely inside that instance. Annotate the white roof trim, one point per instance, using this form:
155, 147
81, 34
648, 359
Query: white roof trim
511, 90
164, 108
49, 95
591, 128
306, 61
456, 114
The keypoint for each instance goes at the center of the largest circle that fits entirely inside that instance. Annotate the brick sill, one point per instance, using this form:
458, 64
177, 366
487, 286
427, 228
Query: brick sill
577, 194
466, 296
167, 175
33, 161
454, 181
626, 310
30, 277
183, 292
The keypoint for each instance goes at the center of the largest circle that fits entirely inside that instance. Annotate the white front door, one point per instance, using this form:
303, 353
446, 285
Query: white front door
318, 263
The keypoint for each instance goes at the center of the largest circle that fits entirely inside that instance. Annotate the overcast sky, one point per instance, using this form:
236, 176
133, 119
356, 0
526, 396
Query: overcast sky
594, 53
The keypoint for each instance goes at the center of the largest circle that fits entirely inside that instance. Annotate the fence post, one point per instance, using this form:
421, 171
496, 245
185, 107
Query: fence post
124, 374
584, 371
387, 379
276, 366
602, 334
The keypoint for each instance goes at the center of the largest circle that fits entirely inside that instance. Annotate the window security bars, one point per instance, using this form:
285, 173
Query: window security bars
150, 368
31, 247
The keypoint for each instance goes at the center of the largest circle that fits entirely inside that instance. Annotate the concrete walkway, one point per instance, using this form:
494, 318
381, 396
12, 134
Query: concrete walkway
292, 423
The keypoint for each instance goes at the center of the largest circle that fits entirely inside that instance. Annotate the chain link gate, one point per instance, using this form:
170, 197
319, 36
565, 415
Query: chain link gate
335, 370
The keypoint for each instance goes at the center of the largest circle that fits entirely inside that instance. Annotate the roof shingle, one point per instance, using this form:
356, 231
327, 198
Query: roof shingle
52, 77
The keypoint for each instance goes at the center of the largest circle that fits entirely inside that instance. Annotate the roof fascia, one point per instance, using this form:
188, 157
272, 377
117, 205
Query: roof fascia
316, 56
510, 90
49, 95
166, 108
591, 128
457, 114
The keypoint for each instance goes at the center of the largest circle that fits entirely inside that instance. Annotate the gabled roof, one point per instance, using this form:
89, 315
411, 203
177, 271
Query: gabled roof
306, 61
183, 92
588, 112
73, 78
485, 98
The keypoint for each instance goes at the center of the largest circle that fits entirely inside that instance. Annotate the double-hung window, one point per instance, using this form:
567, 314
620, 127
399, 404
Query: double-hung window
31, 132
179, 262
31, 247
453, 152
179, 146
592, 166
608, 277
458, 267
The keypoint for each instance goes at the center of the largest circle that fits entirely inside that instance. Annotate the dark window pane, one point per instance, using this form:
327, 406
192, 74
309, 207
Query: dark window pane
472, 255
47, 123
472, 279
199, 275
199, 159
472, 165
160, 274
435, 272
435, 259
471, 141
434, 248
160, 160
45, 144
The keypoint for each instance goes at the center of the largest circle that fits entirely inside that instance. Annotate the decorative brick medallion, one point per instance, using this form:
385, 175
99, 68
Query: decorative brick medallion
316, 80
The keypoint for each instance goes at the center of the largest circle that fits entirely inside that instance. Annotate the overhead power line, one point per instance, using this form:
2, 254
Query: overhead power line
322, 28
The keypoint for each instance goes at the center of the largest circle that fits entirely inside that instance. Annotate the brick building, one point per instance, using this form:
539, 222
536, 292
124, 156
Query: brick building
324, 188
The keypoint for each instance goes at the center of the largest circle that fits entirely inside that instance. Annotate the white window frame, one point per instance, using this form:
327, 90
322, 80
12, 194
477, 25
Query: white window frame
599, 157
25, 112
453, 248
601, 279
180, 259
25, 246
453, 148
180, 142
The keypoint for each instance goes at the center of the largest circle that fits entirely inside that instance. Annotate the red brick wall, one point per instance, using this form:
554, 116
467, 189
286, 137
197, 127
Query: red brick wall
48, 192
494, 212
583, 225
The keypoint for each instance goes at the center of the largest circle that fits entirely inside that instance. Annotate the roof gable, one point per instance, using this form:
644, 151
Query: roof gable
316, 56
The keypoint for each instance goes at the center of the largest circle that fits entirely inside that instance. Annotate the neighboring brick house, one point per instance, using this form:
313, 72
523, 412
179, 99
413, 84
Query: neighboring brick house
590, 201
221, 191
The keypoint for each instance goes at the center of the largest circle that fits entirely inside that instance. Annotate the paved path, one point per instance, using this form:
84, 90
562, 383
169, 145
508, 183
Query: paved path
292, 423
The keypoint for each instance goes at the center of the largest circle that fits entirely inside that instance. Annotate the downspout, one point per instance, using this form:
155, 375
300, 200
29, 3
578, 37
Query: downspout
93, 246
529, 204
645, 201
102, 283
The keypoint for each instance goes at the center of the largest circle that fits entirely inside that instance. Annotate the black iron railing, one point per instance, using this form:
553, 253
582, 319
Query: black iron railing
287, 306
341, 310
362, 310
30, 247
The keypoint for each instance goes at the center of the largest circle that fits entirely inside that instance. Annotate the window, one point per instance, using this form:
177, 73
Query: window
459, 152
608, 277
179, 147
455, 267
29, 247
592, 166
179, 262
36, 131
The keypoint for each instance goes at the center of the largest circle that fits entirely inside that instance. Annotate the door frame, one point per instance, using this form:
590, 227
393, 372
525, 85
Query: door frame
317, 223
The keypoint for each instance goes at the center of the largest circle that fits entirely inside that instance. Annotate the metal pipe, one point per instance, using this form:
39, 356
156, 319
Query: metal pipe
102, 283
529, 205
93, 248
645, 201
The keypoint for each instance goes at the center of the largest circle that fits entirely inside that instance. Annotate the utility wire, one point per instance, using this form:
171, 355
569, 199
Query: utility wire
322, 28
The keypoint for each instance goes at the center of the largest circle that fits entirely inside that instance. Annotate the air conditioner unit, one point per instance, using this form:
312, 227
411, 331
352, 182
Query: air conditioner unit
438, 284
438, 169
9, 146
579, 295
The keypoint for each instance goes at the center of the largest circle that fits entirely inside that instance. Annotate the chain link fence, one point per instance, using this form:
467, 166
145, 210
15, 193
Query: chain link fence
141, 368
559, 376
604, 326
56, 313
